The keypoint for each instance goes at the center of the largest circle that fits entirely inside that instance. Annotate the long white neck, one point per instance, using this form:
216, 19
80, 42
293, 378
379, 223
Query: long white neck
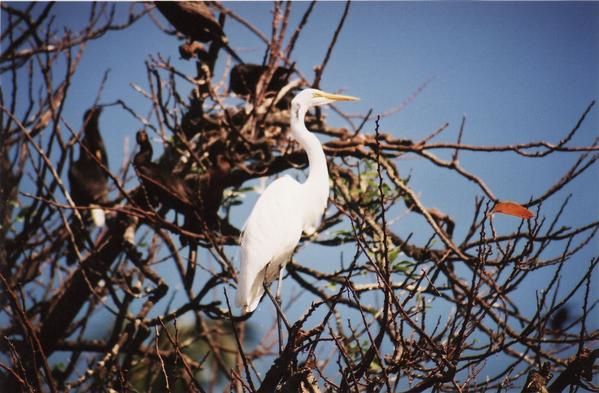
318, 177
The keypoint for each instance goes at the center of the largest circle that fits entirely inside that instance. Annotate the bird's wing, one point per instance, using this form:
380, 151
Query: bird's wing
271, 232
192, 19
74, 182
88, 183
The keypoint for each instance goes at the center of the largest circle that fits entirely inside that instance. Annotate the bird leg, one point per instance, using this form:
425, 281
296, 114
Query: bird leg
281, 271
278, 301
280, 316
191, 265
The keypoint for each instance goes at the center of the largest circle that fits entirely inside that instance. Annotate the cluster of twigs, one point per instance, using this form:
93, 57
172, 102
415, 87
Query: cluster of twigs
369, 324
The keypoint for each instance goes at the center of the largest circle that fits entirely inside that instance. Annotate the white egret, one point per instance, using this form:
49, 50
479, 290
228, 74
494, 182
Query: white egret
285, 209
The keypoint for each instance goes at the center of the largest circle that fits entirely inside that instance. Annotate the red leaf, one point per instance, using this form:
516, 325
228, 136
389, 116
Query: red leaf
512, 209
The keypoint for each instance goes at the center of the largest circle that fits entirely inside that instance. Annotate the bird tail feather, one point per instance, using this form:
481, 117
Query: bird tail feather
249, 286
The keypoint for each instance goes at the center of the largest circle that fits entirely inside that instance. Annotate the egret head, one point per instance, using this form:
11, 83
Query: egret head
312, 97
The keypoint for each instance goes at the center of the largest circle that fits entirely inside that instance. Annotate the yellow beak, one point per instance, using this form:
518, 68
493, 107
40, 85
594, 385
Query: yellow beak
334, 97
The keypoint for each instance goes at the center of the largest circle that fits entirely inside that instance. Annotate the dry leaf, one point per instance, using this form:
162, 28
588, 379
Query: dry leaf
512, 209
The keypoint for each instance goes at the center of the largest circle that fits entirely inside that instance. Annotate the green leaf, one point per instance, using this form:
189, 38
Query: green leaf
25, 212
343, 232
402, 266
393, 254
374, 366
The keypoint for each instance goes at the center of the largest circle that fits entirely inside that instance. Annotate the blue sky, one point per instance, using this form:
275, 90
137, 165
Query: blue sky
518, 71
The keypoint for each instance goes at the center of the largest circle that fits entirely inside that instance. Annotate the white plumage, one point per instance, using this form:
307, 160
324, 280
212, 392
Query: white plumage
285, 209
98, 216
